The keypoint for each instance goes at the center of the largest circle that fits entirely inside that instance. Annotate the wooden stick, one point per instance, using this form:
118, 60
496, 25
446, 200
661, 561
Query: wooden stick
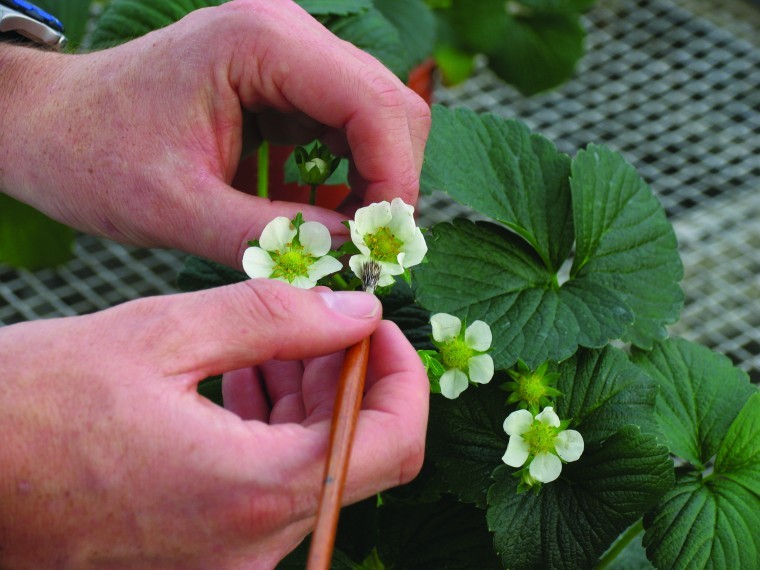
345, 415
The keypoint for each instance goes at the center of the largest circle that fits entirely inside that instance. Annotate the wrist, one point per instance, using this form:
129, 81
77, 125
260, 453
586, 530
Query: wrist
27, 77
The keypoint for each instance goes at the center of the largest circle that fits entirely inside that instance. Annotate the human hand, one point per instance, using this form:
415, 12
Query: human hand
139, 143
110, 458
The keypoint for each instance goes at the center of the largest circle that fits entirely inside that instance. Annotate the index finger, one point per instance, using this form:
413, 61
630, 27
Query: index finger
389, 443
307, 68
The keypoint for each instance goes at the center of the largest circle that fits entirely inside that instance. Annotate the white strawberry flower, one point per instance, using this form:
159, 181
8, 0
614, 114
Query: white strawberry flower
541, 443
462, 353
292, 251
387, 234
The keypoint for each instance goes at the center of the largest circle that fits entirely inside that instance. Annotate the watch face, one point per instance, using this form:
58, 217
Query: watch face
34, 12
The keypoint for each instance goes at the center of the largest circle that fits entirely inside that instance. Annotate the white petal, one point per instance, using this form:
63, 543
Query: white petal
545, 467
398, 205
518, 422
445, 327
548, 417
257, 263
385, 280
569, 444
453, 382
324, 266
517, 451
415, 249
402, 224
315, 238
478, 336
480, 368
358, 238
388, 268
303, 282
277, 234
373, 217
356, 262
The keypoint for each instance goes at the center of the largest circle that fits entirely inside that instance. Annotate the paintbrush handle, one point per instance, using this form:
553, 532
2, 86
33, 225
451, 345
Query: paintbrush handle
345, 415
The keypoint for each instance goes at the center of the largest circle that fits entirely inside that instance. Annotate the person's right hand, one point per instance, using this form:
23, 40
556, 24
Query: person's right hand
109, 457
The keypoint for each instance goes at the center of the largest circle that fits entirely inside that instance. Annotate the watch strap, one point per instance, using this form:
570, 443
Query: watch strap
31, 22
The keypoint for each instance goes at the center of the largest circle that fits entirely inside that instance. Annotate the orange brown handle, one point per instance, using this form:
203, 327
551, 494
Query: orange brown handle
345, 415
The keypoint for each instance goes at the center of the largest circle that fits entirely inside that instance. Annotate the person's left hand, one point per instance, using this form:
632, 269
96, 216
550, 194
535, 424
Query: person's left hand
139, 143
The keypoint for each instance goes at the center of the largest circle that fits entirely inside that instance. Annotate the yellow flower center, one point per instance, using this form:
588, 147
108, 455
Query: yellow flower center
531, 389
540, 437
456, 354
292, 263
383, 245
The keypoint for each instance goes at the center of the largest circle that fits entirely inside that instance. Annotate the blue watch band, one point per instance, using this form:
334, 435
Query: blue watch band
24, 19
34, 12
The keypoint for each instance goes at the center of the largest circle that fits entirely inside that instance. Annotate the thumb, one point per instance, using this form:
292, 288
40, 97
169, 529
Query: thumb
210, 332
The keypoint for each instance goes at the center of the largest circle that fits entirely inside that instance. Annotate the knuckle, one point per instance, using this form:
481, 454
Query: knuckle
385, 91
268, 303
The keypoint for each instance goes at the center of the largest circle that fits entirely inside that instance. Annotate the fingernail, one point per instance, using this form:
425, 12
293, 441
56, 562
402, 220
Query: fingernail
351, 303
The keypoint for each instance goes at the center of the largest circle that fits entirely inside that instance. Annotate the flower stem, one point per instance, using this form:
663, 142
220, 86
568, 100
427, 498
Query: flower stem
340, 282
635, 530
263, 170
313, 195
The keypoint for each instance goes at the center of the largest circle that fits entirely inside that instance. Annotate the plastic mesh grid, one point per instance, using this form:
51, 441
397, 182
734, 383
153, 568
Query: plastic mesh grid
676, 93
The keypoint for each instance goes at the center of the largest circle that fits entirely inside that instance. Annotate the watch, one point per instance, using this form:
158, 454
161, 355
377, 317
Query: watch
32, 23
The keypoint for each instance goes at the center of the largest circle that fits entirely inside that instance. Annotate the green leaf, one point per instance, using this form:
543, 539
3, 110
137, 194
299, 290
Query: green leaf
74, 14
123, 20
198, 274
557, 5
482, 271
413, 320
334, 7
573, 520
466, 440
700, 394
712, 522
739, 453
531, 49
415, 23
603, 391
709, 523
625, 242
375, 34
445, 534
497, 167
31, 240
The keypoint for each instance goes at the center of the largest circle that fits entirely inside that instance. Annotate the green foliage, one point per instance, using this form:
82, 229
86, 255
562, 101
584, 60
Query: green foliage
198, 274
624, 242
334, 7
548, 202
572, 521
700, 394
372, 32
123, 20
415, 24
531, 45
31, 240
710, 518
